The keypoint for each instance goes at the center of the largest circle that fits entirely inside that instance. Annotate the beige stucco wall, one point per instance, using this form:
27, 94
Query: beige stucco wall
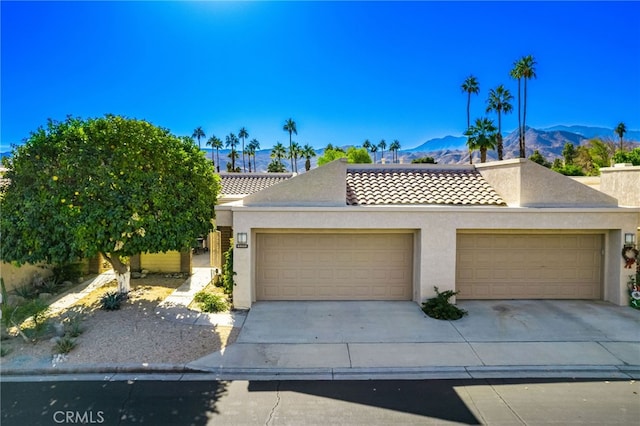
622, 182
436, 229
15, 276
523, 183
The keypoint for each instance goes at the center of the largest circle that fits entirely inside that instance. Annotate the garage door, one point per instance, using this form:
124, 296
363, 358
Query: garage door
527, 266
337, 266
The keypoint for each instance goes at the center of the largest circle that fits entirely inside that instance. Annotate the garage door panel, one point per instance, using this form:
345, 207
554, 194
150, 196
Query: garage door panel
341, 266
545, 266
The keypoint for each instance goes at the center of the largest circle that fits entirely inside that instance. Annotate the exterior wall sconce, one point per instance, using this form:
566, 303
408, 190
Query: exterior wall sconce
629, 239
241, 240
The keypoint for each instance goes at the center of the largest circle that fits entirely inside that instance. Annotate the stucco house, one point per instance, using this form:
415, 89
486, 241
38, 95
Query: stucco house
503, 230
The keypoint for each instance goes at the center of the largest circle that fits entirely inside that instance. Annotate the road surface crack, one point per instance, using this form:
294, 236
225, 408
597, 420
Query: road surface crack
275, 407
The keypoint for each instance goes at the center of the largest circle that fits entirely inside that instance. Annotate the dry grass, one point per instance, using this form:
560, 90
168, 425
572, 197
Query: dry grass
133, 334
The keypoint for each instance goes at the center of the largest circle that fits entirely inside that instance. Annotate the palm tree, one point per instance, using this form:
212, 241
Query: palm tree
482, 136
250, 151
382, 145
620, 130
374, 148
307, 152
500, 102
469, 86
216, 143
198, 133
278, 152
255, 146
366, 145
523, 68
243, 134
394, 147
294, 151
231, 141
290, 126
528, 72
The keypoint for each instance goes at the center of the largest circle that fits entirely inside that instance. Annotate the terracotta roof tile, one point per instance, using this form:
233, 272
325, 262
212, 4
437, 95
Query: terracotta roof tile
248, 183
419, 186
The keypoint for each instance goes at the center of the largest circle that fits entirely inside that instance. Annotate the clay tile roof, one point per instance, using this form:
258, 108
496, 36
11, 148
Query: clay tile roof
248, 183
419, 186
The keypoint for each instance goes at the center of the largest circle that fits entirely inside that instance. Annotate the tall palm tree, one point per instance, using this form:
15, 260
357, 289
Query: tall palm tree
290, 126
216, 143
523, 69
374, 148
278, 151
250, 151
231, 141
470, 86
294, 151
366, 144
528, 72
482, 136
198, 133
307, 152
620, 130
243, 134
394, 147
255, 146
500, 102
382, 145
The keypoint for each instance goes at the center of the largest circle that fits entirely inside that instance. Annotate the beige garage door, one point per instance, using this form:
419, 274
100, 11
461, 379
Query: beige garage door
340, 266
526, 266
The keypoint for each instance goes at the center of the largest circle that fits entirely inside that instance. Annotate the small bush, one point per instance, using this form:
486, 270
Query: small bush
74, 326
112, 300
227, 272
210, 302
27, 291
4, 351
440, 308
67, 272
64, 345
50, 285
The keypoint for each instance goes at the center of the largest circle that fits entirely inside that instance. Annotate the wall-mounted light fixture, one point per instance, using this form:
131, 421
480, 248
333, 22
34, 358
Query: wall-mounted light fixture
241, 240
629, 239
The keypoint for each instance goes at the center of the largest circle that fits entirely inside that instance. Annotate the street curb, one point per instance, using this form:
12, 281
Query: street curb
138, 371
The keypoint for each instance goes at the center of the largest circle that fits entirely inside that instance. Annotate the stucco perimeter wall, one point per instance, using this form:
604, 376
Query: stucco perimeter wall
622, 182
435, 230
523, 183
323, 186
15, 276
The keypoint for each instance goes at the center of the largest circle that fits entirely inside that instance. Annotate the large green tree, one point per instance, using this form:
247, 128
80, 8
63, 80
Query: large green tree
242, 134
394, 147
500, 102
253, 147
382, 145
109, 185
290, 126
482, 136
470, 86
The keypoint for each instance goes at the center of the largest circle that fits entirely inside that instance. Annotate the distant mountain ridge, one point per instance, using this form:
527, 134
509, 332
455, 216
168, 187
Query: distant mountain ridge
453, 150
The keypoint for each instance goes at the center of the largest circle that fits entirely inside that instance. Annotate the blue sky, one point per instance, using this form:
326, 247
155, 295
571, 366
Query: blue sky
344, 71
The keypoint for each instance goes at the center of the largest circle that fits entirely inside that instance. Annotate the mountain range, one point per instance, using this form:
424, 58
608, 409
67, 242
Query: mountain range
452, 149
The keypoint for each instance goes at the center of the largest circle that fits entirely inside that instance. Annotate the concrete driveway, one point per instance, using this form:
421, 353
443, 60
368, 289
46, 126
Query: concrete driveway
351, 337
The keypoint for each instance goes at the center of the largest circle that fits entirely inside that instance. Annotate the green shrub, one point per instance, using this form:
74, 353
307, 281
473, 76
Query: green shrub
112, 300
227, 272
67, 272
64, 345
27, 291
74, 326
440, 308
4, 351
210, 302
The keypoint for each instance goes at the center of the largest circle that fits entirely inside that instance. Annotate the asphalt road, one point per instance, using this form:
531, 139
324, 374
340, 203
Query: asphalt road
420, 402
